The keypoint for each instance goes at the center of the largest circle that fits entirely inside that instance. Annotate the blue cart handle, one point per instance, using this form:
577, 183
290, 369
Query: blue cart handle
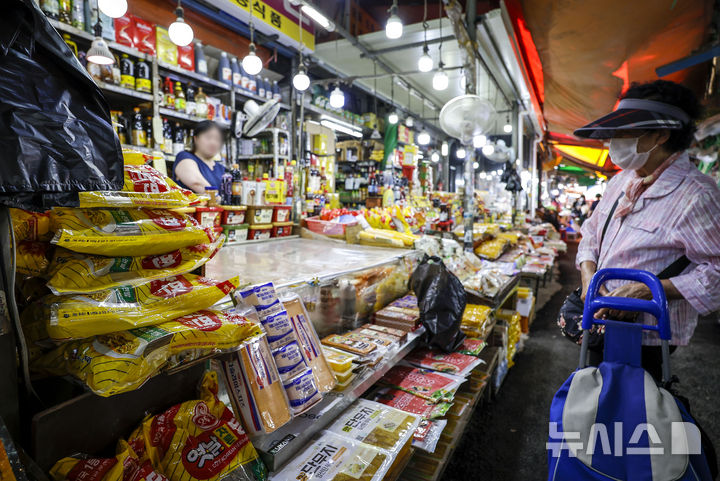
657, 306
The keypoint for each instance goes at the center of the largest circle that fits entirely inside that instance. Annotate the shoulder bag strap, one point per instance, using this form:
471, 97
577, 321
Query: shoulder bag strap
607, 222
675, 268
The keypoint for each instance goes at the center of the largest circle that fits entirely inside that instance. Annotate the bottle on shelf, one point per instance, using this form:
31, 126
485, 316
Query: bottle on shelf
167, 146
226, 184
139, 134
51, 8
78, 14
168, 93
116, 72
224, 70
190, 105
71, 43
180, 103
200, 61
178, 144
127, 72
252, 84
245, 79
65, 11
188, 135
142, 76
237, 185
236, 74
149, 132
201, 106
268, 89
260, 86
276, 91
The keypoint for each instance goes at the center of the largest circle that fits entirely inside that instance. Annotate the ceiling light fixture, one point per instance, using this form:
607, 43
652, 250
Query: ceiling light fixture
99, 53
393, 118
423, 137
440, 80
319, 18
409, 121
181, 34
460, 153
476, 165
425, 62
479, 141
507, 128
301, 81
252, 63
488, 149
444, 149
113, 8
394, 26
435, 157
337, 98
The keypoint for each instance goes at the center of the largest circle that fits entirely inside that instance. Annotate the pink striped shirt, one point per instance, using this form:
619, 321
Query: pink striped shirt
677, 215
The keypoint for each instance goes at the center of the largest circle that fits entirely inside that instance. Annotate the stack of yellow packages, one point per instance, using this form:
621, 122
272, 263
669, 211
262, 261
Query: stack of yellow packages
476, 321
123, 304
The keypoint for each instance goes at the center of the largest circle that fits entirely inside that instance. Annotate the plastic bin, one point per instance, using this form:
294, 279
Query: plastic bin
324, 227
233, 214
282, 229
259, 231
337, 360
209, 216
235, 232
259, 214
343, 377
281, 213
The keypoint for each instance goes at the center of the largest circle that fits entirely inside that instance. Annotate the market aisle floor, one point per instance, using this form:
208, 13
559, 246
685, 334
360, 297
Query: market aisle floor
505, 441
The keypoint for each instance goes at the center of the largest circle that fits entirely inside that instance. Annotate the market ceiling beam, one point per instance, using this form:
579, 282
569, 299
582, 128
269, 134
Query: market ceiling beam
353, 78
408, 46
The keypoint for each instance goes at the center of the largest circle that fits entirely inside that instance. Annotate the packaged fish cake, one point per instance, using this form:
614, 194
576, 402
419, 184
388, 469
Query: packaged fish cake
354, 346
260, 295
79, 316
125, 466
255, 387
74, 273
201, 440
410, 403
453, 363
379, 342
289, 360
145, 187
431, 385
32, 258
302, 392
391, 338
277, 326
335, 458
126, 232
409, 302
376, 424
472, 347
122, 361
387, 330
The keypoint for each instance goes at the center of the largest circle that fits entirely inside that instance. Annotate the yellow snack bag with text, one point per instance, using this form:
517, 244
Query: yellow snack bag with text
126, 232
31, 258
125, 466
32, 226
121, 308
74, 273
122, 361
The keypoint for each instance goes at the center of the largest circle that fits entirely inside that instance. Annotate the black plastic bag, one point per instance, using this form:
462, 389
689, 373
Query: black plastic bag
441, 298
56, 136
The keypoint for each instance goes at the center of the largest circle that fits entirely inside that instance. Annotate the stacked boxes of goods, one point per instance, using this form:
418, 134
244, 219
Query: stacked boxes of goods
402, 314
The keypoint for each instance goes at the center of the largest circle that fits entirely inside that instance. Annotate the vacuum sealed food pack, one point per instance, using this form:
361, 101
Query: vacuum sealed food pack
376, 424
75, 273
32, 258
428, 434
125, 232
125, 466
336, 458
431, 385
472, 347
79, 316
453, 363
122, 361
255, 387
302, 392
410, 403
143, 187
201, 440
354, 346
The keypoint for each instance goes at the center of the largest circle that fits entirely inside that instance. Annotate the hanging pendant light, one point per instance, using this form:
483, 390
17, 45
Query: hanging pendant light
252, 63
507, 128
375, 133
301, 81
113, 8
423, 137
337, 98
444, 149
440, 79
425, 62
435, 157
394, 26
99, 53
181, 34
460, 153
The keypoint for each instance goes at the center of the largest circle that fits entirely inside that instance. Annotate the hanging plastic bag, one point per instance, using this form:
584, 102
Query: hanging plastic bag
441, 298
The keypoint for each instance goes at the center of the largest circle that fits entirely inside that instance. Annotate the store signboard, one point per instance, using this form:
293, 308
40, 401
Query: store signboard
272, 17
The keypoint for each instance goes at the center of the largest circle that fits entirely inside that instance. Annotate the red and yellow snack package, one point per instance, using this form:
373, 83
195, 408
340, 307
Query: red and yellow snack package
32, 258
125, 232
32, 226
125, 466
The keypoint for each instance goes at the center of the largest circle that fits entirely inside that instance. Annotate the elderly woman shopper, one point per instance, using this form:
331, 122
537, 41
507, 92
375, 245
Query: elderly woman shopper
659, 214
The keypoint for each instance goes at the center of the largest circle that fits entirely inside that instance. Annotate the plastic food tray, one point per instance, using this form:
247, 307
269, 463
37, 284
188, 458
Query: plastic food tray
328, 228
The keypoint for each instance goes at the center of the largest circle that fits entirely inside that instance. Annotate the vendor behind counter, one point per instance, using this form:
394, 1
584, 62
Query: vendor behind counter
197, 169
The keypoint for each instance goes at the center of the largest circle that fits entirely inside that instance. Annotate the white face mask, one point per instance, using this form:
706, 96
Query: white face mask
624, 154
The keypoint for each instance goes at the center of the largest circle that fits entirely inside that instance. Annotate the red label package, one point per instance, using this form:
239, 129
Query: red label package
124, 30
186, 57
144, 35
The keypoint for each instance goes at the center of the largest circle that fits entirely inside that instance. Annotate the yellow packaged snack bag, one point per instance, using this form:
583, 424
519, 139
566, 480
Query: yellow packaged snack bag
122, 361
74, 273
31, 258
125, 466
126, 232
79, 316
144, 187
31, 226
201, 440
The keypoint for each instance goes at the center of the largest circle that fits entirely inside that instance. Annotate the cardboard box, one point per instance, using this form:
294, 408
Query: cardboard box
144, 36
186, 57
124, 30
166, 50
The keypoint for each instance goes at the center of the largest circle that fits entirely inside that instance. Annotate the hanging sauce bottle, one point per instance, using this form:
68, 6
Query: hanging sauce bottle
179, 97
142, 76
139, 135
127, 72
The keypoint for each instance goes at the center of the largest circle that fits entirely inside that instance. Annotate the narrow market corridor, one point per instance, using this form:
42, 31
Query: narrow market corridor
505, 440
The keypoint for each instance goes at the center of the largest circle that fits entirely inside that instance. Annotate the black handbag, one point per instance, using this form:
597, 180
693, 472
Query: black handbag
571, 312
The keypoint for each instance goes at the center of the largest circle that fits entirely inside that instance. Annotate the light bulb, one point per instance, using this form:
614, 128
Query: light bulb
475, 165
99, 53
460, 153
393, 118
488, 149
113, 8
444, 149
301, 81
479, 141
425, 62
498, 172
252, 63
337, 98
507, 128
423, 138
409, 121
440, 80
483, 175
435, 157
181, 34
394, 26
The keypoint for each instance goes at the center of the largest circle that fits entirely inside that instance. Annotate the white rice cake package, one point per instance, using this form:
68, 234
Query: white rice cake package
260, 295
376, 424
335, 458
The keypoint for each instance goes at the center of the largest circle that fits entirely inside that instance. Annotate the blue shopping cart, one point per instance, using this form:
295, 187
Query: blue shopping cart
613, 422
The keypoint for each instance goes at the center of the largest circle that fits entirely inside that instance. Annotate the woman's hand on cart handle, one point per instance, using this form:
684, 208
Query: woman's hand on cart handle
636, 290
587, 270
